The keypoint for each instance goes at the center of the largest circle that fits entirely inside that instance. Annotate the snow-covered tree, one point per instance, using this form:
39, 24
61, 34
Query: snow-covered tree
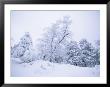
17, 51
26, 41
87, 53
29, 56
55, 39
97, 52
24, 44
73, 53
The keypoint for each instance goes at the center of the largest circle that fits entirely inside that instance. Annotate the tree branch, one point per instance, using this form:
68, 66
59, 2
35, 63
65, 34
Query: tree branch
63, 38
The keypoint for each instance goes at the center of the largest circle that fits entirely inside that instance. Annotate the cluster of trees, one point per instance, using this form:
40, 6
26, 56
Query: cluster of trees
83, 54
57, 46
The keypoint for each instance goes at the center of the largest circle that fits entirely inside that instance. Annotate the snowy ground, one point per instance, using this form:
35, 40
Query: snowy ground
41, 68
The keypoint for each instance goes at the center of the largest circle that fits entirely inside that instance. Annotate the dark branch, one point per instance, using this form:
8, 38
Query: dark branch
63, 37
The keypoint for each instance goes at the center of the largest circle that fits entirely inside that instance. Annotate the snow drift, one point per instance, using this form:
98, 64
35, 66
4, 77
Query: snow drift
42, 68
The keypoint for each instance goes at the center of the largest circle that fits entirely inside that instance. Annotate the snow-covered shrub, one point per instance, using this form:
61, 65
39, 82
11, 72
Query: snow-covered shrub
58, 59
28, 56
82, 54
88, 53
73, 53
17, 51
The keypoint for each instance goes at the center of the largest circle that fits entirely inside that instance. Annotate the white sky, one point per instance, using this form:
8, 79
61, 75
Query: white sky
85, 24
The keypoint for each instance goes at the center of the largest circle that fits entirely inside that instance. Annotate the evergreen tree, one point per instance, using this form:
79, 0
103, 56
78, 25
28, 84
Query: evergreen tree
87, 53
19, 49
73, 53
26, 41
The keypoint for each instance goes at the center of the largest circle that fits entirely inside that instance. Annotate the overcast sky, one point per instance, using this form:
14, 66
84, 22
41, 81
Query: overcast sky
85, 24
